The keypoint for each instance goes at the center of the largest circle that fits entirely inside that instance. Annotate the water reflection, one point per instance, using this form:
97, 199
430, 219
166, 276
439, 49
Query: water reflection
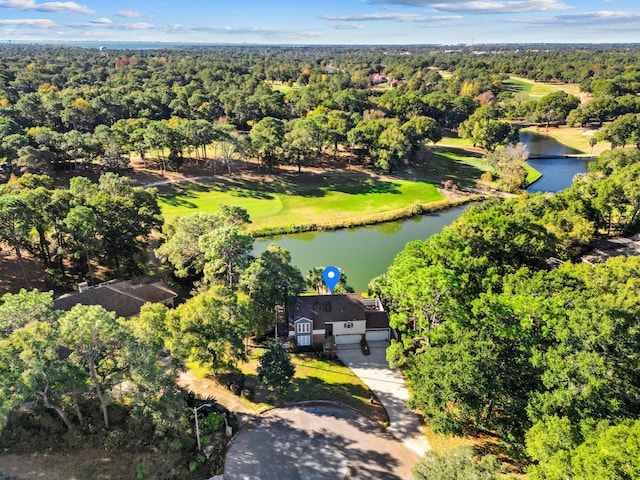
539, 144
362, 253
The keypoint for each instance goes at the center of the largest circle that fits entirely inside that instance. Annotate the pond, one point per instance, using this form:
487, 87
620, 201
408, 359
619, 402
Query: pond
557, 173
362, 253
542, 145
366, 252
557, 169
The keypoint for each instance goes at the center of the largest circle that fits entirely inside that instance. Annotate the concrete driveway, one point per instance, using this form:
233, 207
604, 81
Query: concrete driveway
390, 388
313, 442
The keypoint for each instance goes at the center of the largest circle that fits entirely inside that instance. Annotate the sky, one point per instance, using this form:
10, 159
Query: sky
397, 22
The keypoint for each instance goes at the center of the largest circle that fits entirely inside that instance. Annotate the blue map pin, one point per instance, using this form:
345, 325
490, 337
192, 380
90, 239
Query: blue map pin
331, 277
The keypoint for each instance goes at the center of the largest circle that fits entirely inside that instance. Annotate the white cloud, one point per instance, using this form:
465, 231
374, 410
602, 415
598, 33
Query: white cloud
136, 26
27, 22
347, 26
97, 23
600, 17
55, 7
586, 18
105, 23
482, 6
281, 33
128, 14
399, 17
501, 7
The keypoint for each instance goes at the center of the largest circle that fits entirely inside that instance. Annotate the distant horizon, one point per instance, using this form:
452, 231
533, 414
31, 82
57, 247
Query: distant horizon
310, 45
331, 22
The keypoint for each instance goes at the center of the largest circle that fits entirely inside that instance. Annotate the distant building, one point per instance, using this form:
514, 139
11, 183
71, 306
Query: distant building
339, 319
378, 78
119, 296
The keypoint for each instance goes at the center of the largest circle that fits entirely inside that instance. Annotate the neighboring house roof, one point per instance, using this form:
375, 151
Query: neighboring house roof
613, 247
121, 297
323, 309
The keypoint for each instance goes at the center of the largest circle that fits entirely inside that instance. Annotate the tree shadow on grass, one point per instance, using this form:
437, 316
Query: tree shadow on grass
352, 183
178, 194
437, 167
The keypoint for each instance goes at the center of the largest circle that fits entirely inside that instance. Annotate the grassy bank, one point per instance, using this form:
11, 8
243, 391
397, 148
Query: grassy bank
307, 201
533, 175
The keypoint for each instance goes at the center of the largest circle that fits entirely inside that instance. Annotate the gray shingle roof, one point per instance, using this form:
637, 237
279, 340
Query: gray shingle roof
121, 297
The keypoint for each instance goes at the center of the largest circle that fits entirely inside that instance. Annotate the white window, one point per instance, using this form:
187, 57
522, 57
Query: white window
304, 340
304, 327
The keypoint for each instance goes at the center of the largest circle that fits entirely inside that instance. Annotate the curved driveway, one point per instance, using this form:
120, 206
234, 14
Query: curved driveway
316, 442
390, 388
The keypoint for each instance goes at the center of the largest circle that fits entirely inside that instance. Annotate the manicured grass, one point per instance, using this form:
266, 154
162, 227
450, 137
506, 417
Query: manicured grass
321, 379
284, 87
317, 378
532, 174
456, 141
514, 84
538, 90
297, 199
464, 167
448, 163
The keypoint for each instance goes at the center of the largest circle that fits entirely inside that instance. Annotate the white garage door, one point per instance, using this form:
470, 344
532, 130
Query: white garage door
374, 335
345, 339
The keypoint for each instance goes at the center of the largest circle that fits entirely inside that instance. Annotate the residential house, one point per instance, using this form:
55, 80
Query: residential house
119, 296
342, 319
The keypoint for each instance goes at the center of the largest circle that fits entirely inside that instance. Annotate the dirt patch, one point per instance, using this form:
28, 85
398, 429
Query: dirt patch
11, 279
89, 464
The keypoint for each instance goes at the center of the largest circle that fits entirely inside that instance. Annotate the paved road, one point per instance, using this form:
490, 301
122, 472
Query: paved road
316, 442
390, 388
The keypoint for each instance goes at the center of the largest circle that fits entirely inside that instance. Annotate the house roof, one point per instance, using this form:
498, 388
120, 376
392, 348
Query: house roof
326, 309
613, 247
121, 297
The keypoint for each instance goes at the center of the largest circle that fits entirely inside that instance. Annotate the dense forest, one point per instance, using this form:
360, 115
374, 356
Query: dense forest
494, 336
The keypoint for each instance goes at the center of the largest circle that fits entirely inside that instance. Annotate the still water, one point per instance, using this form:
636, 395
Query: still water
366, 252
557, 173
542, 145
362, 253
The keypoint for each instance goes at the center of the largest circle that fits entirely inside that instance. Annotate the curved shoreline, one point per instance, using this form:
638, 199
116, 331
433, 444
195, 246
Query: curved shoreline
414, 210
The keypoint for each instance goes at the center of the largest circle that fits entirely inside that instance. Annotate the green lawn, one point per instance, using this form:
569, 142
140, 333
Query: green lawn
464, 167
532, 174
284, 87
456, 141
299, 199
538, 90
449, 163
316, 378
